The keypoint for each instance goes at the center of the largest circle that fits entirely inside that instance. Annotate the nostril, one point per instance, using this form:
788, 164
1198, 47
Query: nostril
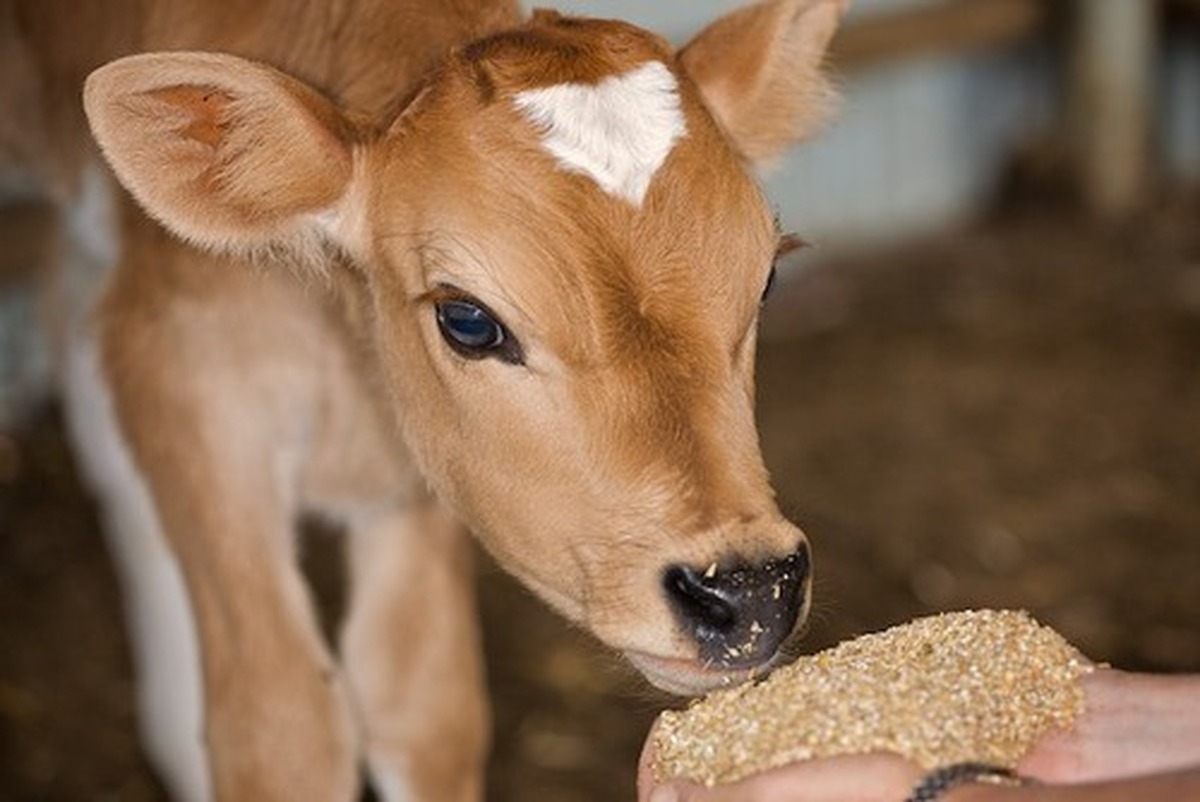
741, 613
699, 599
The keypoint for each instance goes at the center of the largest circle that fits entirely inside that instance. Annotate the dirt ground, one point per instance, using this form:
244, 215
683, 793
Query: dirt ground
1008, 416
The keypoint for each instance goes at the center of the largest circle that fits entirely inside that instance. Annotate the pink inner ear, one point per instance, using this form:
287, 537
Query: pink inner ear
205, 108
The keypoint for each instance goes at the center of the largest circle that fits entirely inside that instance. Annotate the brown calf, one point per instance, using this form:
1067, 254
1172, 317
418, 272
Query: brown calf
507, 274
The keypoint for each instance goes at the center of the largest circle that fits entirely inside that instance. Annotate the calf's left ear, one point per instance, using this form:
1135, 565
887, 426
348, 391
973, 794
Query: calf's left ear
229, 154
759, 71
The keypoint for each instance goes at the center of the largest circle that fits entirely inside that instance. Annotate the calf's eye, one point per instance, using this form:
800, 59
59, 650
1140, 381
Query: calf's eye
473, 331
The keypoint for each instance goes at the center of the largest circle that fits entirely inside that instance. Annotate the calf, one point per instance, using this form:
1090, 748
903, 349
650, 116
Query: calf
416, 266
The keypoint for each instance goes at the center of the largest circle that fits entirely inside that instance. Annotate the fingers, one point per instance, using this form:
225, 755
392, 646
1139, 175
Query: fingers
1131, 724
857, 778
645, 777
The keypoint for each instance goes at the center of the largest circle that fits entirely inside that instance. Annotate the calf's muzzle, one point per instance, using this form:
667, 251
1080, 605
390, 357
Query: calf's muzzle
739, 614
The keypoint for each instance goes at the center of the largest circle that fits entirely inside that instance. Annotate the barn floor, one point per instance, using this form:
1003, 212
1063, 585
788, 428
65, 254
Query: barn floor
1007, 416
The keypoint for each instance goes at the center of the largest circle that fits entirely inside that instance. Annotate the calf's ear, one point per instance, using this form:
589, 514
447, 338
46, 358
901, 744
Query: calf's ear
229, 154
759, 71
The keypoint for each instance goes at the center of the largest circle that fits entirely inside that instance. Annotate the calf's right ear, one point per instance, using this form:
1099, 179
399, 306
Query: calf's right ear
229, 154
759, 70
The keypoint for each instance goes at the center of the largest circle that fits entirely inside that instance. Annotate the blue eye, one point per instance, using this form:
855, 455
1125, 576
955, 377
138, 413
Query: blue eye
473, 331
469, 325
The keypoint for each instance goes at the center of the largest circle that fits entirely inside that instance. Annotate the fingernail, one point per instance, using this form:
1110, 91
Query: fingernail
664, 793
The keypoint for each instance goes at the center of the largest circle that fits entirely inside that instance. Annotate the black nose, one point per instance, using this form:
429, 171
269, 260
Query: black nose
739, 615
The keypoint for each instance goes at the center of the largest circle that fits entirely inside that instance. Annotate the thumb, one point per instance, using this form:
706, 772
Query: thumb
653, 789
646, 781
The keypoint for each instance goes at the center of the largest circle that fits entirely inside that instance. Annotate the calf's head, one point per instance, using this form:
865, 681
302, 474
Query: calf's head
565, 255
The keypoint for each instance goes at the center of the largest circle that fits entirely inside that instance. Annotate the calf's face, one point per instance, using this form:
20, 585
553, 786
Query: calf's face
566, 256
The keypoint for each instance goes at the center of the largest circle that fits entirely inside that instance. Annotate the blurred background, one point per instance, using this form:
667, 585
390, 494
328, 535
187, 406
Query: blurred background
979, 388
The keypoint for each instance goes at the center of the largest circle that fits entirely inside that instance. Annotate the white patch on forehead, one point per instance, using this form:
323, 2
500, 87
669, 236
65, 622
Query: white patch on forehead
617, 132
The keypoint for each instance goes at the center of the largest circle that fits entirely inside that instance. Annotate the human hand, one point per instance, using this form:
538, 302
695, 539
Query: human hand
877, 777
1132, 724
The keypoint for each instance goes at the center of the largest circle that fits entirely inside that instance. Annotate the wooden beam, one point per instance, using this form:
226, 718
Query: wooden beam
957, 26
1111, 91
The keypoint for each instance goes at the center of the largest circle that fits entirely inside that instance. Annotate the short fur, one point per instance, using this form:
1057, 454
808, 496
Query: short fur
378, 150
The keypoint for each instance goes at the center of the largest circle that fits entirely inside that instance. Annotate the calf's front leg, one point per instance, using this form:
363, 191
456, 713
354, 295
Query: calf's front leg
277, 722
215, 439
411, 648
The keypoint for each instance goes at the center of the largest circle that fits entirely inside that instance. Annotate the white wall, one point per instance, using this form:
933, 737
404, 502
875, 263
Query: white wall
1181, 108
679, 20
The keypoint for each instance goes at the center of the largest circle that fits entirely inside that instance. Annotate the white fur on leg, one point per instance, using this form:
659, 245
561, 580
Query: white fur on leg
158, 613
390, 786
617, 132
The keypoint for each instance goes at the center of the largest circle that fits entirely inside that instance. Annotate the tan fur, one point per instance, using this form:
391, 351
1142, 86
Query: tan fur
762, 66
378, 143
